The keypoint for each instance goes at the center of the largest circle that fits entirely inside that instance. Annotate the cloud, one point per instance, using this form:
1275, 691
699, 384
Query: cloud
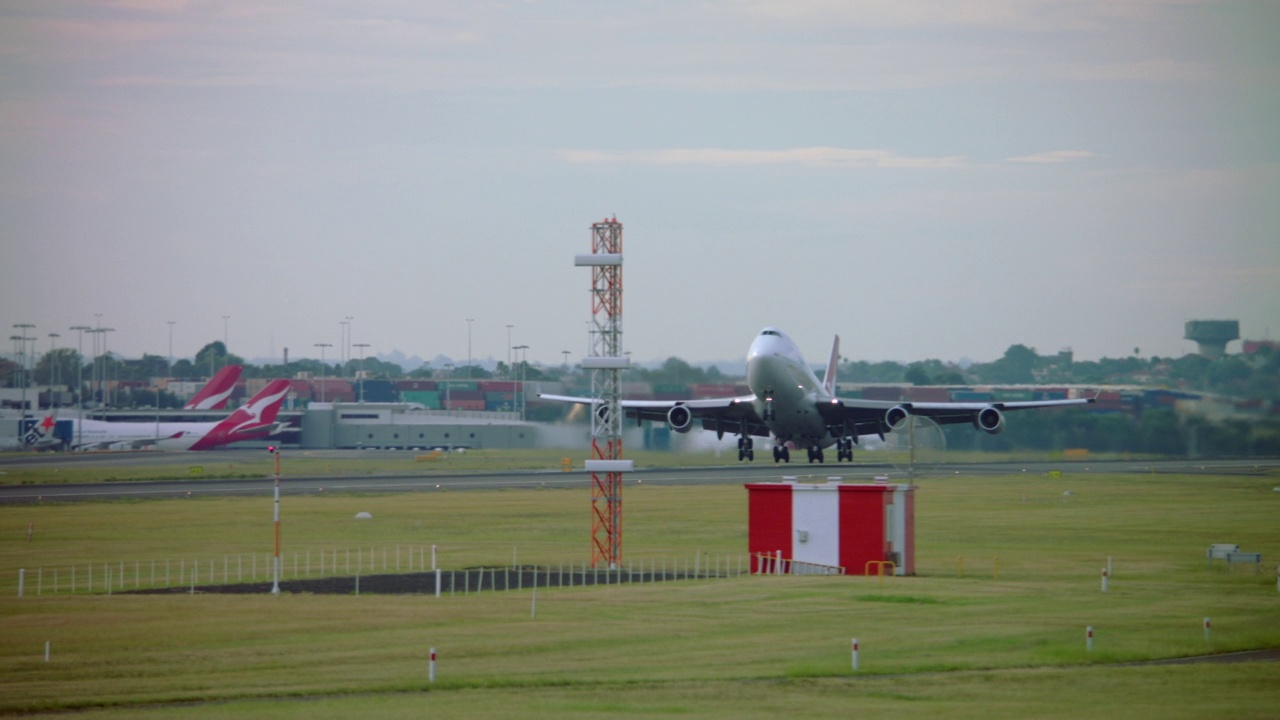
1054, 157
719, 157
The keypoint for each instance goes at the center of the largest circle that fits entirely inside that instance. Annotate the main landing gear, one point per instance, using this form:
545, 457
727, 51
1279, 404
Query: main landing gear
844, 449
781, 453
746, 449
815, 453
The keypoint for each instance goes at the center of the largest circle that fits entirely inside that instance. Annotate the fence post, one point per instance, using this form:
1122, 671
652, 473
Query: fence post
22, 581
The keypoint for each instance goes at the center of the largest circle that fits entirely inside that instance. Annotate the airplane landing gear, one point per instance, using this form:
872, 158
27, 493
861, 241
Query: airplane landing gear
815, 453
781, 454
844, 449
746, 449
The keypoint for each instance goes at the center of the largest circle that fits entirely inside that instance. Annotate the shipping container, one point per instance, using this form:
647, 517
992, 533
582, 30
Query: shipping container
403, 385
456, 394
971, 396
455, 404
712, 390
499, 397
1013, 395
927, 394
301, 389
671, 389
376, 391
882, 392
489, 386
458, 385
427, 398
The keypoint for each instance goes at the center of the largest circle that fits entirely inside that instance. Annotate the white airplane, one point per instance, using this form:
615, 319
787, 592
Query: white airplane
254, 420
788, 402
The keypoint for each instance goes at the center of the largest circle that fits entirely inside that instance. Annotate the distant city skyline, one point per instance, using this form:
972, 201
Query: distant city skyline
929, 179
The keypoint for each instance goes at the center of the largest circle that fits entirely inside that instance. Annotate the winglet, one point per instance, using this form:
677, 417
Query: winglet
829, 379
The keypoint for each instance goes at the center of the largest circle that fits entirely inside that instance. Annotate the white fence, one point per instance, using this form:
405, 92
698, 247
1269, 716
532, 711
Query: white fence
105, 577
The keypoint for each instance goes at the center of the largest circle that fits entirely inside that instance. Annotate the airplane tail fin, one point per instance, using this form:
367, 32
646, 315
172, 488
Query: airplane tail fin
829, 379
261, 409
215, 394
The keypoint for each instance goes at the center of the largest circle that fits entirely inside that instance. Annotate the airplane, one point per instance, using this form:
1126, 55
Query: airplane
215, 393
254, 420
212, 396
789, 403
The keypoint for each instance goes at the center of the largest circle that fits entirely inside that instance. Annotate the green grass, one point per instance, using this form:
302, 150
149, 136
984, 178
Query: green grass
118, 467
940, 644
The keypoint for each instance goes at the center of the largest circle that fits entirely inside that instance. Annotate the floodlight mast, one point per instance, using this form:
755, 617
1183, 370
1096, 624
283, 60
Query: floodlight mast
275, 580
606, 363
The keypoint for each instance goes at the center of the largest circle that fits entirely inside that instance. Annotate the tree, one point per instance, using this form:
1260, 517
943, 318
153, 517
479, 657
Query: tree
58, 366
916, 374
214, 356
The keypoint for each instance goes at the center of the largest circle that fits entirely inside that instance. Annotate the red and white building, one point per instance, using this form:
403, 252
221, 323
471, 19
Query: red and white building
831, 528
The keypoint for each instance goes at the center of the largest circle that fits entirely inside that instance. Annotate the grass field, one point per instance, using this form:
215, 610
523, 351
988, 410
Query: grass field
993, 626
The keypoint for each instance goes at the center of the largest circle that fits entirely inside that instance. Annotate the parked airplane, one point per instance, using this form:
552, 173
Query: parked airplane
788, 402
254, 420
215, 393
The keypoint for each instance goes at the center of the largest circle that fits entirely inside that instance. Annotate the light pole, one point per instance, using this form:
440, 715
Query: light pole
171, 324
225, 336
53, 364
22, 358
347, 347
362, 346
80, 368
469, 321
566, 358
106, 357
510, 374
520, 384
323, 369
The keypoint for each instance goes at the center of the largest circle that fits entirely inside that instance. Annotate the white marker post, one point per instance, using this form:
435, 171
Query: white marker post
855, 654
431, 667
46, 649
22, 581
1104, 579
1088, 631
433, 557
1206, 629
437, 582
275, 581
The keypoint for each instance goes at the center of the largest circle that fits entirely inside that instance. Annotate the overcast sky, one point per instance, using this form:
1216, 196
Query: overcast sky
926, 179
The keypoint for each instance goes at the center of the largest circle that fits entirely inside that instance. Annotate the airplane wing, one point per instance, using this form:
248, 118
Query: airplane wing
719, 415
877, 417
134, 444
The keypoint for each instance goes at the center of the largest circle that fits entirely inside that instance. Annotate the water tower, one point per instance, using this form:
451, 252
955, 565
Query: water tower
1213, 335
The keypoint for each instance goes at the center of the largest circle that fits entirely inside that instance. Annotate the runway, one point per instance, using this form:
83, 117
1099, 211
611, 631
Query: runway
434, 482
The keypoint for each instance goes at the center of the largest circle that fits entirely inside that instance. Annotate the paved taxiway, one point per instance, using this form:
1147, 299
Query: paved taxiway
430, 482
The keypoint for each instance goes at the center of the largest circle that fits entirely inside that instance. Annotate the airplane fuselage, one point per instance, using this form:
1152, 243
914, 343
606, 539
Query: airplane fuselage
786, 391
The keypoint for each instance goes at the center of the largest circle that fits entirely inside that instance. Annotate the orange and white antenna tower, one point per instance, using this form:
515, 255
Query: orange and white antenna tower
606, 363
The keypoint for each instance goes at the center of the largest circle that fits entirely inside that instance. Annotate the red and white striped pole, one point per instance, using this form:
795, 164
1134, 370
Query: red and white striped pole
855, 654
1104, 579
1088, 631
431, 667
275, 583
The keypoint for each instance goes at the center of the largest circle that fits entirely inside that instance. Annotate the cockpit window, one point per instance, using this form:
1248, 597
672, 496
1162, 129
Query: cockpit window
772, 332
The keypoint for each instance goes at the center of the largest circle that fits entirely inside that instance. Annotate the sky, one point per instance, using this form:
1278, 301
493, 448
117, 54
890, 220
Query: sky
936, 179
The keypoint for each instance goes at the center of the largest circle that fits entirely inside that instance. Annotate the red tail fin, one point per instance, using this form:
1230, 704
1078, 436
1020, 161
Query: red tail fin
217, 391
256, 419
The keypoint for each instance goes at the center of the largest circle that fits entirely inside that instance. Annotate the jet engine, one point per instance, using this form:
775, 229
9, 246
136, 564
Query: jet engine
989, 420
680, 419
895, 415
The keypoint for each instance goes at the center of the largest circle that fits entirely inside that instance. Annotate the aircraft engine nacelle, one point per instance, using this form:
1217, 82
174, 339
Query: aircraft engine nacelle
896, 415
989, 420
680, 419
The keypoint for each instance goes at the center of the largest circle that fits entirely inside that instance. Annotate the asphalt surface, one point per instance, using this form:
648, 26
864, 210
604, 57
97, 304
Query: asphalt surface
427, 482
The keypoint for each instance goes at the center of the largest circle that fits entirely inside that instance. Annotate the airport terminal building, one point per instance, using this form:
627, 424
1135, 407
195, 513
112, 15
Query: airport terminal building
410, 426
